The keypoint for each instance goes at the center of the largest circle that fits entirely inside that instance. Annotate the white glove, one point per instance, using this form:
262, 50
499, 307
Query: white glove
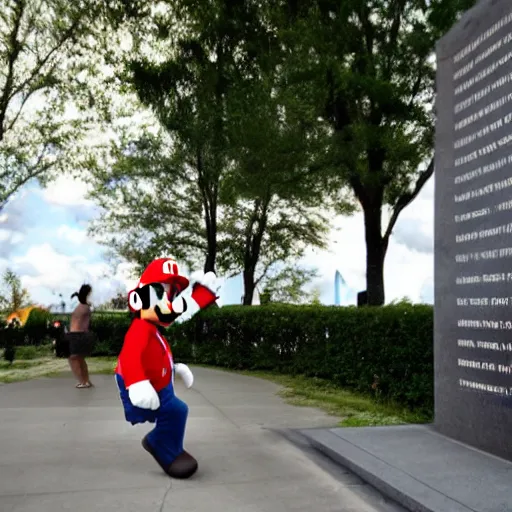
210, 281
184, 372
142, 394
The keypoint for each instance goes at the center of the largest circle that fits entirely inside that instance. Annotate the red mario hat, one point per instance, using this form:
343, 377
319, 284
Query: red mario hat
163, 270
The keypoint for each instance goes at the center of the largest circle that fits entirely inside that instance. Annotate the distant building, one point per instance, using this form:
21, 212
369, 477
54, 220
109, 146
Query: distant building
343, 294
338, 283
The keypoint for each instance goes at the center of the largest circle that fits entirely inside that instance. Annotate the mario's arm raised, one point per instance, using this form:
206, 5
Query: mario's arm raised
202, 296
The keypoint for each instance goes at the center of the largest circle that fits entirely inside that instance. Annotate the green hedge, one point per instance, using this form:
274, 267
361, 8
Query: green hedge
109, 327
387, 351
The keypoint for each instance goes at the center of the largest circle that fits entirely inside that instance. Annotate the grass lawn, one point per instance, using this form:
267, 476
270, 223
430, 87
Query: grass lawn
354, 409
35, 362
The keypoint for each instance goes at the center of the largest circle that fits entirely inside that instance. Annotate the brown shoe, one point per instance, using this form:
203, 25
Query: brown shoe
184, 466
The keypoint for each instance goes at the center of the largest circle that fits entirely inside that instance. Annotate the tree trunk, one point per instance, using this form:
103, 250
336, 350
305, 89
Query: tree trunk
211, 256
209, 192
376, 247
209, 265
249, 286
253, 240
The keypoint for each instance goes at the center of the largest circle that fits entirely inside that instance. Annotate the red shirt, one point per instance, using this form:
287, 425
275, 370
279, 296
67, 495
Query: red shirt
145, 355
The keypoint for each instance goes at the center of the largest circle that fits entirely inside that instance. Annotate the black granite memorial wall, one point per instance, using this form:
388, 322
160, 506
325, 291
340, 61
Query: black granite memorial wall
473, 230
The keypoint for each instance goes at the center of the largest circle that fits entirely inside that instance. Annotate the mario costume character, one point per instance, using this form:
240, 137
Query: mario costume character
145, 368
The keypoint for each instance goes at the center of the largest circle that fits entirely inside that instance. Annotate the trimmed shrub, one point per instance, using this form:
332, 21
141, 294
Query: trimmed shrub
35, 330
386, 351
110, 329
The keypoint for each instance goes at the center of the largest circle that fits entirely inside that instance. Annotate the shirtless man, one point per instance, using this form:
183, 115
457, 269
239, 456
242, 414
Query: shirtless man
81, 340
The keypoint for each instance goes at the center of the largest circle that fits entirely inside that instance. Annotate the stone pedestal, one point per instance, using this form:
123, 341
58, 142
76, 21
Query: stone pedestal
473, 230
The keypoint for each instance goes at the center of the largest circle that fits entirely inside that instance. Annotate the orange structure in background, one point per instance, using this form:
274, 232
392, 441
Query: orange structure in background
22, 314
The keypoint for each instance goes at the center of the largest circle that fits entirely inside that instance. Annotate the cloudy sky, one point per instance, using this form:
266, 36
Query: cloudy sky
43, 237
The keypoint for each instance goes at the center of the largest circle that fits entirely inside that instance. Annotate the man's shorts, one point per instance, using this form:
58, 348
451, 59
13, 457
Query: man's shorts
80, 343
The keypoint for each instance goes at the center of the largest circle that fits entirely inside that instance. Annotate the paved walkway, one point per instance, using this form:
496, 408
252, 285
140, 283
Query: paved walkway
68, 449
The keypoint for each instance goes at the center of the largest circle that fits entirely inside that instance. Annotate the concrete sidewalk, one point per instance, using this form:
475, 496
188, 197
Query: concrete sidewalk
420, 468
67, 449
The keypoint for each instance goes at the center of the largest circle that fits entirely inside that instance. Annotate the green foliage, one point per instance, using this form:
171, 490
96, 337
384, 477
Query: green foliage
262, 107
386, 351
224, 153
110, 329
49, 50
38, 319
145, 194
315, 297
287, 285
361, 76
403, 301
13, 296
31, 352
117, 303
35, 330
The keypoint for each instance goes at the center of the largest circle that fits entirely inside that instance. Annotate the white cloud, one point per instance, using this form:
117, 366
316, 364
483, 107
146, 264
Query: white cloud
67, 191
13, 217
73, 235
52, 267
47, 273
13, 225
124, 272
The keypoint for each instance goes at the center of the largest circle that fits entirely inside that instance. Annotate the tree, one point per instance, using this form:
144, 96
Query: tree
13, 296
148, 211
277, 210
117, 303
164, 194
261, 235
315, 297
366, 72
54, 81
186, 88
288, 285
226, 151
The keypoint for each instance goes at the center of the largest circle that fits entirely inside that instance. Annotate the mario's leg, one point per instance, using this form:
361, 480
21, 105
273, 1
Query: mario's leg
165, 441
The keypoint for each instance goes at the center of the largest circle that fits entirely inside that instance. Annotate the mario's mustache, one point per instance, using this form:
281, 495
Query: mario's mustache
177, 306
168, 315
